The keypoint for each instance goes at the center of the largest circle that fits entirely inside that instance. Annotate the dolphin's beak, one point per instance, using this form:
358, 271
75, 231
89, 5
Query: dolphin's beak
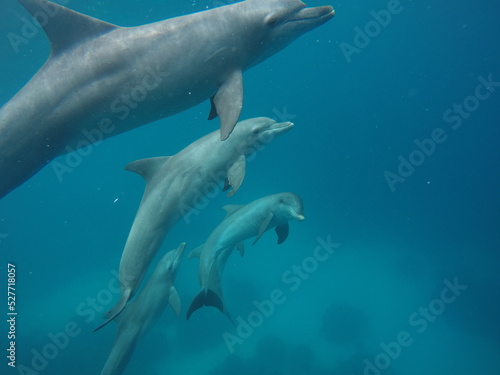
297, 215
314, 16
179, 251
280, 127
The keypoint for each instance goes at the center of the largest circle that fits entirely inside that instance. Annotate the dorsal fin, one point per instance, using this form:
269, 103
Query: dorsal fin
231, 208
65, 27
196, 252
147, 167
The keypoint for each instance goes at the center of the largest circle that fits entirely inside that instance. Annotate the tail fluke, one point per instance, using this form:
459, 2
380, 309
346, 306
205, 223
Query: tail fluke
115, 311
207, 297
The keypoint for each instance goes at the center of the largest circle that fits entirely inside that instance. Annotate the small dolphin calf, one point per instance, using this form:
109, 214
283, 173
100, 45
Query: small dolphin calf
143, 312
241, 222
101, 80
174, 186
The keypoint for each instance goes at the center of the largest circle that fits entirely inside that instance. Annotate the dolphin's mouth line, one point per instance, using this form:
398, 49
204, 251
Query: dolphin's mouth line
280, 126
308, 18
284, 125
297, 214
276, 129
326, 11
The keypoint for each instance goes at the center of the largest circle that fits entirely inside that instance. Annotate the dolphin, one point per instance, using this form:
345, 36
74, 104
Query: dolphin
241, 223
145, 310
101, 80
176, 184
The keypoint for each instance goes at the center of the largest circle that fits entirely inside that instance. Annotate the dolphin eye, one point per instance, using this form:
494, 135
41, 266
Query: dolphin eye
256, 131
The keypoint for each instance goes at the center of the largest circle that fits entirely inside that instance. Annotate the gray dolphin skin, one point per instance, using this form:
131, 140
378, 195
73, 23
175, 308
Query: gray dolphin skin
145, 310
241, 223
176, 184
101, 80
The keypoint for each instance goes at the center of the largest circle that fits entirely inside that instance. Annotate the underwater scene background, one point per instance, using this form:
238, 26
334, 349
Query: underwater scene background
395, 154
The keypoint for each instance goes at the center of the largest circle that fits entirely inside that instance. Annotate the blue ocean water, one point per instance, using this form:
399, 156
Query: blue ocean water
395, 154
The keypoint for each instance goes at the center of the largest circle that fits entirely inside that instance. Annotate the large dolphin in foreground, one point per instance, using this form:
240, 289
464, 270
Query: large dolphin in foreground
241, 223
143, 311
101, 80
176, 184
